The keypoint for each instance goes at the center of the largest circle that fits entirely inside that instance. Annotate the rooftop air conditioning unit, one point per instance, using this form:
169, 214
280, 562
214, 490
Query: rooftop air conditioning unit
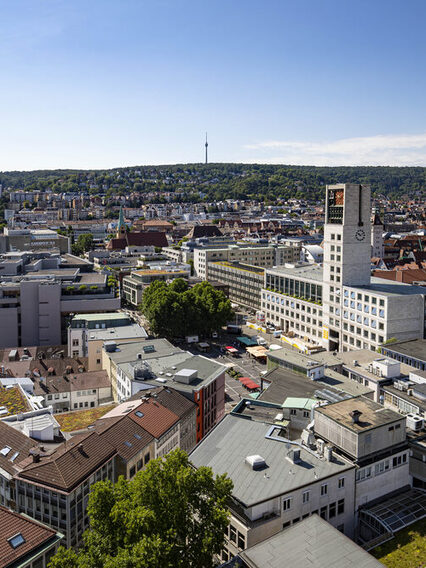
414, 422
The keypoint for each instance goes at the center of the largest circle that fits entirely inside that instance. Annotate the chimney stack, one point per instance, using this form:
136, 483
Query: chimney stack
355, 414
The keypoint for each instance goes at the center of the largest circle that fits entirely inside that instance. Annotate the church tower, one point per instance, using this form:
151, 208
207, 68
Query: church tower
377, 228
121, 228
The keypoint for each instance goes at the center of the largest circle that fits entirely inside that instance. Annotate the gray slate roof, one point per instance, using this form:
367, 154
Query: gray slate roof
312, 542
225, 448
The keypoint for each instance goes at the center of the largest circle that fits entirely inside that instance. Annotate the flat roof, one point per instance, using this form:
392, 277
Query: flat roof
167, 366
100, 317
383, 287
302, 403
152, 271
294, 358
131, 331
312, 538
239, 266
415, 348
259, 410
128, 352
227, 446
306, 271
285, 383
373, 415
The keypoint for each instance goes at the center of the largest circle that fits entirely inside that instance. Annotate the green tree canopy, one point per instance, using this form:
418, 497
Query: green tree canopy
83, 244
169, 515
175, 310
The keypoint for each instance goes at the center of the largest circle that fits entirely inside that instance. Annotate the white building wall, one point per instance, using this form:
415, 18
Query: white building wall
378, 481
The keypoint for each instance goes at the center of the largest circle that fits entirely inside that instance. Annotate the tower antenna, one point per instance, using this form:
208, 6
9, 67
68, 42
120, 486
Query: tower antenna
206, 145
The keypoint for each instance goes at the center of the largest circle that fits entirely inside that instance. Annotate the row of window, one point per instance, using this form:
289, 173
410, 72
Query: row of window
379, 468
359, 296
364, 307
326, 512
306, 495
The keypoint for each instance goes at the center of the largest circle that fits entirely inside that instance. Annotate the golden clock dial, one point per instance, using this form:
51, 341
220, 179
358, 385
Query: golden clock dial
339, 197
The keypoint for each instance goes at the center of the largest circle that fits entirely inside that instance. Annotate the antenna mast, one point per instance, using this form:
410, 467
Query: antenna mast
206, 145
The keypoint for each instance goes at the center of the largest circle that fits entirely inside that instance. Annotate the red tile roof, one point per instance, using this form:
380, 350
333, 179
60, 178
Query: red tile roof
71, 463
35, 535
156, 418
407, 275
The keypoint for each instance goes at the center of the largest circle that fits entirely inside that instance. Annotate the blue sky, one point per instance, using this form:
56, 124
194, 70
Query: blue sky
100, 83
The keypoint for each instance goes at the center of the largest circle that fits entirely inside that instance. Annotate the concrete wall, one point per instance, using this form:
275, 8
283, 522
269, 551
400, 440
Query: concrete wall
8, 327
379, 484
40, 313
410, 326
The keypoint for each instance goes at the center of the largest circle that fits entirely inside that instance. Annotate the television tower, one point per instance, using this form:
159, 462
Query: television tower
206, 145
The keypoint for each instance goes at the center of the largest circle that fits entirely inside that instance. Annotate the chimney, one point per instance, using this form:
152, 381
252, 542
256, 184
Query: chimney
35, 454
296, 456
355, 414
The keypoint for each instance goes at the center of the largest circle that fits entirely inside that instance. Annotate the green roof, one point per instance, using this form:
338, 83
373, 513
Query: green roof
304, 403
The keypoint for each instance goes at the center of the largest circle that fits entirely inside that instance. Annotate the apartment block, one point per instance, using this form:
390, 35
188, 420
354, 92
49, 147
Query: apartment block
88, 332
133, 368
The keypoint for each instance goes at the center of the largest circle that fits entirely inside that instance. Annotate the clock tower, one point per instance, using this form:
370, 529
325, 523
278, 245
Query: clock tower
347, 251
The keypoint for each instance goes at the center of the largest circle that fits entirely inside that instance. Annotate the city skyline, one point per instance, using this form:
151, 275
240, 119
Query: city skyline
138, 83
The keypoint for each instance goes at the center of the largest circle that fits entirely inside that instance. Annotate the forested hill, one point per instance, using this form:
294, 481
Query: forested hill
214, 182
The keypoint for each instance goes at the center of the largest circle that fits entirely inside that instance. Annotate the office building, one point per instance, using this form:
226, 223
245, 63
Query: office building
245, 253
244, 281
277, 483
35, 240
34, 307
134, 284
373, 438
339, 305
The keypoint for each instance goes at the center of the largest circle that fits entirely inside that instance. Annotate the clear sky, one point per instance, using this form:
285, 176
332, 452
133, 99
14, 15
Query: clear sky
105, 83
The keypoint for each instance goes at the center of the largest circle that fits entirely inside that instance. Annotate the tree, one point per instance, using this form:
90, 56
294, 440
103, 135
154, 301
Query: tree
83, 244
170, 515
175, 310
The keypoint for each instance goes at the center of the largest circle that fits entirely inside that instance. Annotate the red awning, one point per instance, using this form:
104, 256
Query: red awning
249, 383
231, 349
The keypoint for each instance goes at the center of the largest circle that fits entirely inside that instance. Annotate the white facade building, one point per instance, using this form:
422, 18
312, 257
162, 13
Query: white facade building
354, 309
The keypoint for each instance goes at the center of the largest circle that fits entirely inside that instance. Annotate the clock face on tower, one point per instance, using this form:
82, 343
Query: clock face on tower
360, 235
339, 197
